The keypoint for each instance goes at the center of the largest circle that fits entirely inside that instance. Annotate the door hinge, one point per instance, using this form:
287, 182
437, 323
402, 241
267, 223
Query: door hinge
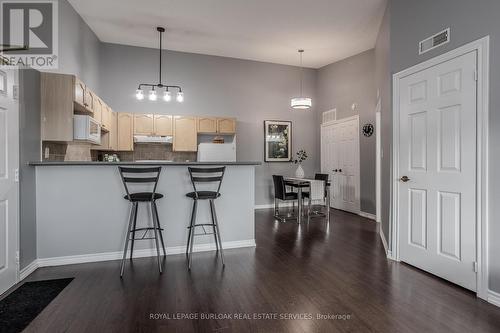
475, 75
16, 175
474, 266
17, 257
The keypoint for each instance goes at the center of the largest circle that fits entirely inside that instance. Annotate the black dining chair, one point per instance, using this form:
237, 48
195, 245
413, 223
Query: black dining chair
204, 176
142, 176
281, 194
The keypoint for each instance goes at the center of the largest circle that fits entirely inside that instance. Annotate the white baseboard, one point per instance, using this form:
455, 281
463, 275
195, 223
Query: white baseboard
28, 270
106, 256
368, 216
494, 298
384, 242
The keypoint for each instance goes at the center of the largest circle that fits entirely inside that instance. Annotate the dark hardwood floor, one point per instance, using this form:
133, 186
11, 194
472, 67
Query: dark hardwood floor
337, 269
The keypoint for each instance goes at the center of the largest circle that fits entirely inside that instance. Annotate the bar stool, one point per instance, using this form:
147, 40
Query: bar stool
204, 175
127, 175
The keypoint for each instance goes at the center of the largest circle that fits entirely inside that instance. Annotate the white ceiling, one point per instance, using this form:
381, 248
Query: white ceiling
262, 30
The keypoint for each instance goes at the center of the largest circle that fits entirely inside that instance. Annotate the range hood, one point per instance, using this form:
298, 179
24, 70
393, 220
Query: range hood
152, 139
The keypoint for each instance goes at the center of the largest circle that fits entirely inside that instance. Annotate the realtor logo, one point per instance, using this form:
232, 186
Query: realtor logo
29, 33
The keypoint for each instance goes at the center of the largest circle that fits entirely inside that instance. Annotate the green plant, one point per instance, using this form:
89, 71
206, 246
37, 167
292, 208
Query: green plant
301, 156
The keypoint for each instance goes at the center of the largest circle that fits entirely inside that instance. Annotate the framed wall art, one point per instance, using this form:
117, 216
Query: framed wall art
277, 141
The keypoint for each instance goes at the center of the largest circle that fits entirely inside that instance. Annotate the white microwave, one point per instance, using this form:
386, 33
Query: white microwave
86, 128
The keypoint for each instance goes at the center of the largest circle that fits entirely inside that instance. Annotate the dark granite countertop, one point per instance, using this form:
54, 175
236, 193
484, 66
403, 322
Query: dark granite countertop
165, 163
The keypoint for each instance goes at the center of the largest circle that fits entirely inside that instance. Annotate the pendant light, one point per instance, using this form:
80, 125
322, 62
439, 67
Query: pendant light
301, 102
153, 94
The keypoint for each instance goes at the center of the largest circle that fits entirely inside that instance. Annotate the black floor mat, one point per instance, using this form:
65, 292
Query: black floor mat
19, 308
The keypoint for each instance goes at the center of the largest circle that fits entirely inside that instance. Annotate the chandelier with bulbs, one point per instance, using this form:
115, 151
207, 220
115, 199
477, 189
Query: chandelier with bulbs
153, 94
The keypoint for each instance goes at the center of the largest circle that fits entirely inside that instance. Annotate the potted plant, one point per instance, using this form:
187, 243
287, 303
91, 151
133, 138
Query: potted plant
301, 157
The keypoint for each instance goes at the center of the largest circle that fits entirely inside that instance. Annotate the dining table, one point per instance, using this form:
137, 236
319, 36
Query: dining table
300, 184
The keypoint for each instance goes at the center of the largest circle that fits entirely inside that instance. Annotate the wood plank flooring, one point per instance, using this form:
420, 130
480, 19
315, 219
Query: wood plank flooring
295, 273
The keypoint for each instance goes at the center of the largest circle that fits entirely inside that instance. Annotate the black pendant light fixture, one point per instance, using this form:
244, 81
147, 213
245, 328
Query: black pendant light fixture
152, 95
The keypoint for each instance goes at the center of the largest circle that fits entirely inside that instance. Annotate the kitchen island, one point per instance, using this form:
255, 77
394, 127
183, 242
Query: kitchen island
81, 214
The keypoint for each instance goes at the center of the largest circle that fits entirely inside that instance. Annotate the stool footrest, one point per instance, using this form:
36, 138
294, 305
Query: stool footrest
201, 225
147, 228
142, 238
204, 234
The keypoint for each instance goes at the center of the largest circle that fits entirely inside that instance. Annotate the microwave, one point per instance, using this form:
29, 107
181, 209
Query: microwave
86, 128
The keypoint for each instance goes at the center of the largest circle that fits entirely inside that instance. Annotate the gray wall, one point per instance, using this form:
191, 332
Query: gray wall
384, 83
412, 21
341, 84
29, 150
78, 47
216, 86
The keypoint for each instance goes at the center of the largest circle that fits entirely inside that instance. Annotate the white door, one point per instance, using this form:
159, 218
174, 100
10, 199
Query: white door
340, 159
9, 164
437, 154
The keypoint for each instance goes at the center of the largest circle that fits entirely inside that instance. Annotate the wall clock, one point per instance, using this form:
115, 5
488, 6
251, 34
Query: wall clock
368, 130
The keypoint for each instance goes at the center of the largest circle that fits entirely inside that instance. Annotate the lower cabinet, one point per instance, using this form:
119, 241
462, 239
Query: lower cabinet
125, 124
185, 134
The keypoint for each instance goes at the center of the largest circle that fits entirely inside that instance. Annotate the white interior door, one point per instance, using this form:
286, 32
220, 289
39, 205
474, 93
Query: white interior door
9, 164
340, 159
437, 154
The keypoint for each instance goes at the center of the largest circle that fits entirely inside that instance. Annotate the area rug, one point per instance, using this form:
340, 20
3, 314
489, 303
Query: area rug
19, 308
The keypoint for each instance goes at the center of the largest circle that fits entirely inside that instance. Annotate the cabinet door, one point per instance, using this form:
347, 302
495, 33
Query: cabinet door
125, 131
185, 134
207, 125
162, 125
79, 92
57, 97
226, 125
98, 110
106, 117
90, 99
113, 131
143, 124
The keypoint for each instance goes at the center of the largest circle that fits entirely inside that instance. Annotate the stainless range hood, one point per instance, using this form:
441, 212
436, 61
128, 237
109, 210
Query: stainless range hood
152, 139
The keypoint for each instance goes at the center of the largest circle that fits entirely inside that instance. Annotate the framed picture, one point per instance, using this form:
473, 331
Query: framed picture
277, 141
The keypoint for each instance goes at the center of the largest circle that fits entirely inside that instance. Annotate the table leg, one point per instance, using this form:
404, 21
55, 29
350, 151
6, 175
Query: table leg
299, 202
328, 204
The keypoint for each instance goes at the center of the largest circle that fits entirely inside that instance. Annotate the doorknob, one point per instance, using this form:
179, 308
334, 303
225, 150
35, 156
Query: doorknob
334, 170
404, 179
340, 170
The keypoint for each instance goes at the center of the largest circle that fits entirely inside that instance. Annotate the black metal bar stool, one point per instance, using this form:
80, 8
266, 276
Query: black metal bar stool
148, 176
204, 175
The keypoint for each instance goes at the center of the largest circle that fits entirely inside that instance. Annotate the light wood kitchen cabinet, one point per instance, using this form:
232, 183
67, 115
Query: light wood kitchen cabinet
162, 125
57, 98
207, 125
113, 131
143, 124
106, 117
79, 93
185, 134
90, 99
125, 131
226, 125
98, 109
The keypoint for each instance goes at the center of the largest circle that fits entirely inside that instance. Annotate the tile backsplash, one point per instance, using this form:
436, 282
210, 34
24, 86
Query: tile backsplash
82, 152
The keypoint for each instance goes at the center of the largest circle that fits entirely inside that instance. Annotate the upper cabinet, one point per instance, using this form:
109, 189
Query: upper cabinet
226, 125
185, 134
79, 97
57, 97
163, 125
106, 117
125, 131
207, 125
113, 131
98, 109
143, 124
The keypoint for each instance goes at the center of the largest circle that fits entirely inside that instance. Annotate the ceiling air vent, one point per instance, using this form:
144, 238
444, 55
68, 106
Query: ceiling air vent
434, 41
329, 116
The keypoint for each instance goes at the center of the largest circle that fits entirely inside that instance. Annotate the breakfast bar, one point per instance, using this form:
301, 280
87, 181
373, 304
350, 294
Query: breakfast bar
82, 215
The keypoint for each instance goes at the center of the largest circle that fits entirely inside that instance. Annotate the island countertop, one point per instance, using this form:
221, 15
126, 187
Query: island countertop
162, 163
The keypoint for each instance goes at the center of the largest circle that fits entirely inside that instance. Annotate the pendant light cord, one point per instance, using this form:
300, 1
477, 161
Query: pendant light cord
301, 72
160, 55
